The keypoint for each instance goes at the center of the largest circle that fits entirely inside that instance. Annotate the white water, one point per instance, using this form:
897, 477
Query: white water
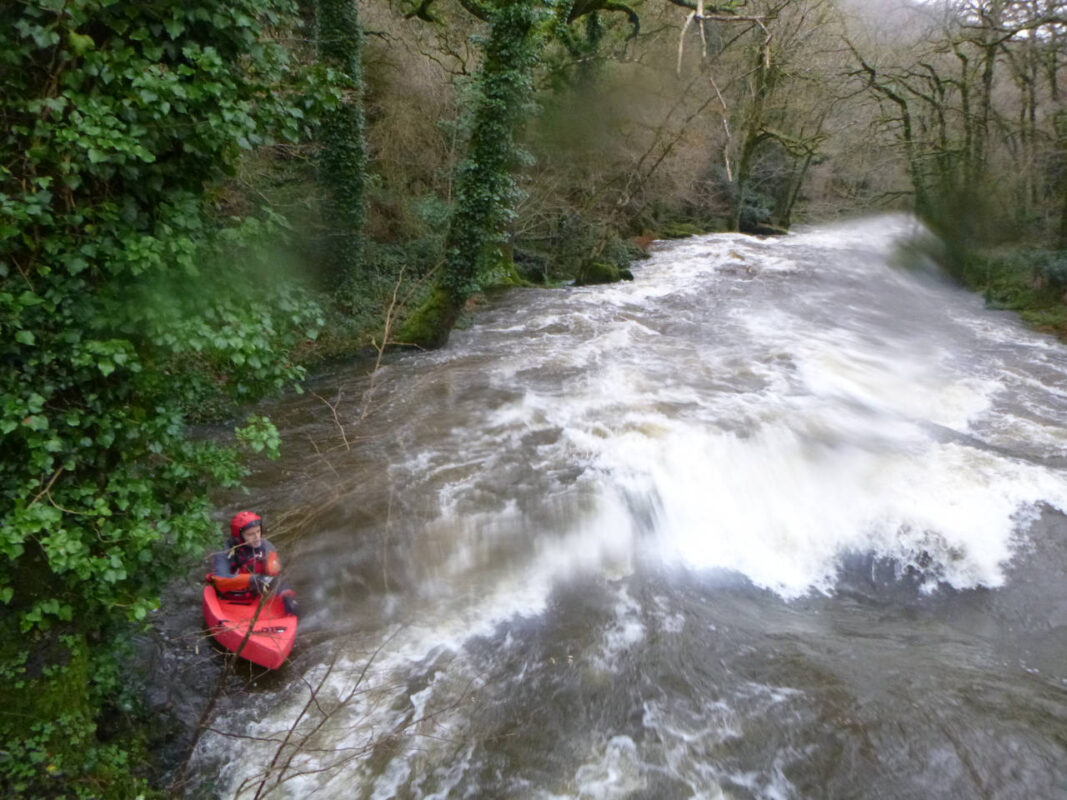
763, 409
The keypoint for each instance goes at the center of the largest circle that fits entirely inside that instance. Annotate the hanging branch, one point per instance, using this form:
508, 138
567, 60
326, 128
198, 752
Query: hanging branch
681, 39
726, 128
698, 14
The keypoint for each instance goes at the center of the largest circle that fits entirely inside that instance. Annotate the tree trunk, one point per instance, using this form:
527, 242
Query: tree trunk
343, 162
785, 214
753, 127
992, 19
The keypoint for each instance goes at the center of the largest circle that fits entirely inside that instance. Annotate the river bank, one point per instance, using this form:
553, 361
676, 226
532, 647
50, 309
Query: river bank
1030, 282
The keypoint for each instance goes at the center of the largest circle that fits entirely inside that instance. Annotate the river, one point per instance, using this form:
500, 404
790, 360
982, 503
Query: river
777, 519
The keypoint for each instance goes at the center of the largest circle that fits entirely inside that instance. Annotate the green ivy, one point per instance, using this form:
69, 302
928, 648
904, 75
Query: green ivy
130, 291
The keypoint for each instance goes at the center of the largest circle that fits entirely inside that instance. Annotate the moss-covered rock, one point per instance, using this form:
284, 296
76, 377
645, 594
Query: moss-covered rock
596, 272
679, 230
430, 323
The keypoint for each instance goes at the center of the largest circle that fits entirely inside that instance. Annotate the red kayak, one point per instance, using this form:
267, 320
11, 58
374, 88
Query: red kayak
261, 633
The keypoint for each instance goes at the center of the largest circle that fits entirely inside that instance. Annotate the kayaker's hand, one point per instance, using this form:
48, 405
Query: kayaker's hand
262, 583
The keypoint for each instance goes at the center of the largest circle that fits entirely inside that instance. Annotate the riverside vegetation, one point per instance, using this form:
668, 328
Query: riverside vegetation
198, 201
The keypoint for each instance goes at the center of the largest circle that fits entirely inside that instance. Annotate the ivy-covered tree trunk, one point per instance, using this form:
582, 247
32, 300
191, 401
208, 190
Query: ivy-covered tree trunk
485, 191
343, 164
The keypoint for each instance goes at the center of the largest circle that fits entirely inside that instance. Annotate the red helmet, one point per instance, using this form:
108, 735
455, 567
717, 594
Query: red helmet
243, 520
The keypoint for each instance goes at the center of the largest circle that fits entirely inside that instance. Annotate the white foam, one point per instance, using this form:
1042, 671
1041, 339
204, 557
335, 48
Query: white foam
614, 774
879, 233
782, 508
626, 630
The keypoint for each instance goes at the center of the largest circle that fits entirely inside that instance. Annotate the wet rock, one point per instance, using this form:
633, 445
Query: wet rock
599, 272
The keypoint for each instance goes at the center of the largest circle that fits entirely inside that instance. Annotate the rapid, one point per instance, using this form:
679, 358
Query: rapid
781, 518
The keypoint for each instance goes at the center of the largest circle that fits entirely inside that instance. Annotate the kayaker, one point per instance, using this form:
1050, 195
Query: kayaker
249, 566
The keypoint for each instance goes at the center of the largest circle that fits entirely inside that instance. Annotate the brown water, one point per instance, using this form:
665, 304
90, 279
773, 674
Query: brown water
776, 520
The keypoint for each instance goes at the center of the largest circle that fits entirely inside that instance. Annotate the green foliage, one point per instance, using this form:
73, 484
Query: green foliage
44, 694
1050, 267
574, 247
755, 212
575, 63
52, 687
104, 303
261, 436
128, 295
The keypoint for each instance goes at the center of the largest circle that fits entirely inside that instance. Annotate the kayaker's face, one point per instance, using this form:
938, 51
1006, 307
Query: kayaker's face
253, 536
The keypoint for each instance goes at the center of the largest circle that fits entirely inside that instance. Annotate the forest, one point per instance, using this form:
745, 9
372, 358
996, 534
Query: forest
201, 202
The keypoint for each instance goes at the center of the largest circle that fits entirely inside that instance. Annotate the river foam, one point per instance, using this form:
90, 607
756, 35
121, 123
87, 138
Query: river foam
849, 435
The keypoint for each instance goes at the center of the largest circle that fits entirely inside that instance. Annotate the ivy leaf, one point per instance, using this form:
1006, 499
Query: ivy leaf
80, 43
36, 422
174, 27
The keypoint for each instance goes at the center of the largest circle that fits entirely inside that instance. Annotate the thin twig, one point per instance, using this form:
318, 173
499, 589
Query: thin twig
386, 341
46, 489
336, 418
